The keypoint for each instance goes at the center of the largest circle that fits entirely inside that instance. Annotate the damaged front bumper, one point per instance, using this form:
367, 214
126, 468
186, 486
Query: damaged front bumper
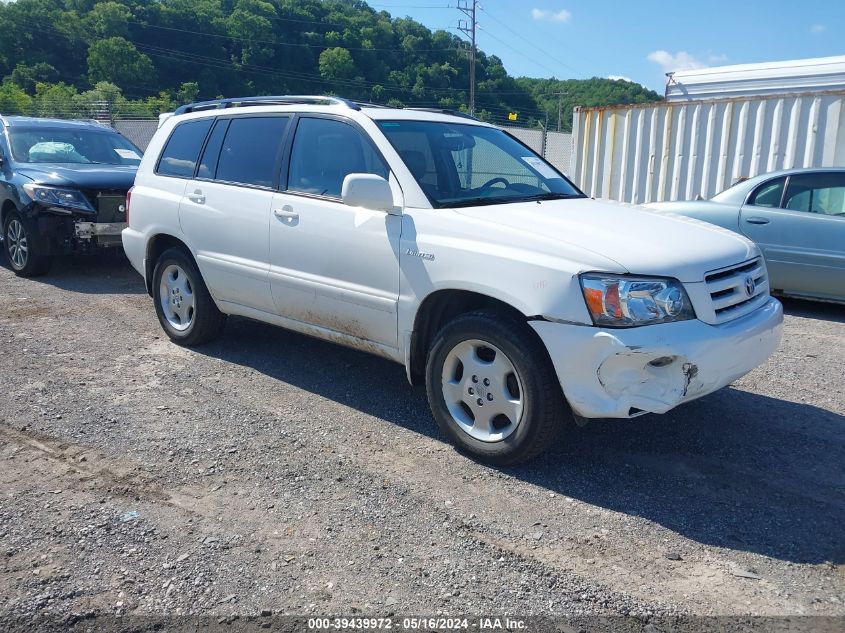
87, 230
621, 373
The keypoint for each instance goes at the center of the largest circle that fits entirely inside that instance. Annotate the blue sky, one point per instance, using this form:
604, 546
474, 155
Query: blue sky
639, 39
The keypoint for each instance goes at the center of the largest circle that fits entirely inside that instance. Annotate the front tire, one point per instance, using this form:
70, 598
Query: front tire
21, 249
492, 388
184, 306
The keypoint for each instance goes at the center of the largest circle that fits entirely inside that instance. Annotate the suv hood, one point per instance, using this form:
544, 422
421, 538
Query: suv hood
81, 176
642, 242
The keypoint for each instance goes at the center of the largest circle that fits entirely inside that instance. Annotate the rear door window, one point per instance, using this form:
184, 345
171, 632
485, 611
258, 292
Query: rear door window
822, 193
251, 151
182, 151
211, 153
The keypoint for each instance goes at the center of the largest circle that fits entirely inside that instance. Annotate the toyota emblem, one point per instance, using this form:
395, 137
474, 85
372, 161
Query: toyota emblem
750, 286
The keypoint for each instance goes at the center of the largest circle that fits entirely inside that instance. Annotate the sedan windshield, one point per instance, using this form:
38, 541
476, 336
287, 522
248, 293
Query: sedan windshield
472, 165
77, 146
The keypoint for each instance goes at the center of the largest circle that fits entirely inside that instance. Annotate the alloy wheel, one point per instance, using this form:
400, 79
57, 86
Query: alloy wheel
482, 390
176, 294
18, 244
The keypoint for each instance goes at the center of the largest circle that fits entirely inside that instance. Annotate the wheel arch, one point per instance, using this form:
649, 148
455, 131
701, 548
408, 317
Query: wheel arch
8, 207
437, 309
155, 247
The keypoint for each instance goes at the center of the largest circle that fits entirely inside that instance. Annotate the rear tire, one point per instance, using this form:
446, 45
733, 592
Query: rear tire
493, 390
21, 249
184, 306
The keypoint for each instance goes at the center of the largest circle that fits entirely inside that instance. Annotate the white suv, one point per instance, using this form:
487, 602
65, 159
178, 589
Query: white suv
447, 245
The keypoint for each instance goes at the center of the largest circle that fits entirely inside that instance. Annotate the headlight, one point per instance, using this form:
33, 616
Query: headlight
58, 197
622, 301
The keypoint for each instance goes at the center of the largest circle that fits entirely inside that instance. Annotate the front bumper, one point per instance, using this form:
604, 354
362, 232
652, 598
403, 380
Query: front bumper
87, 230
620, 373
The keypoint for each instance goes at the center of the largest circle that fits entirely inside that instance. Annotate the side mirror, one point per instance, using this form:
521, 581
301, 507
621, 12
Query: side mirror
368, 191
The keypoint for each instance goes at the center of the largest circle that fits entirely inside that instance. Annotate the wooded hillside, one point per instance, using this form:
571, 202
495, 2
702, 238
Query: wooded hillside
58, 56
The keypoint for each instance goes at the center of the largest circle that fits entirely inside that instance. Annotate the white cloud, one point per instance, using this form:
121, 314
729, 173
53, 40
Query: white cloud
717, 59
818, 28
551, 16
679, 61
620, 78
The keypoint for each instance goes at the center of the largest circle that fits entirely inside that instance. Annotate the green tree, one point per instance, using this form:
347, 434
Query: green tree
337, 63
13, 100
27, 76
188, 92
108, 19
105, 98
116, 60
55, 100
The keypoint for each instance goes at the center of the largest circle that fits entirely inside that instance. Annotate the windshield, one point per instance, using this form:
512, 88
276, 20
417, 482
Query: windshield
65, 145
470, 165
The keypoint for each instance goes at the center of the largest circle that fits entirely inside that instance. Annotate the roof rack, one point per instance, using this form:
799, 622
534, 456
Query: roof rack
219, 104
457, 113
370, 104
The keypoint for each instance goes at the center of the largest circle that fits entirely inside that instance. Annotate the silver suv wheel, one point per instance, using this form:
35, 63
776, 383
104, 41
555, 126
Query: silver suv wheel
178, 302
482, 390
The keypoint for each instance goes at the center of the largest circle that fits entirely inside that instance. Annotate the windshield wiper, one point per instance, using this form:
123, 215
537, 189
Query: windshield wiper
550, 195
479, 201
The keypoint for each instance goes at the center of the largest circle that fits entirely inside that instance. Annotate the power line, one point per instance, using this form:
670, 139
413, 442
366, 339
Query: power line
530, 43
516, 50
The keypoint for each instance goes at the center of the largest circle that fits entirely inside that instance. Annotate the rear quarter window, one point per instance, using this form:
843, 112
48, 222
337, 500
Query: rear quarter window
180, 154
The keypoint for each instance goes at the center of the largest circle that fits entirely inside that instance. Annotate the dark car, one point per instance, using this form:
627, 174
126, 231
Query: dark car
63, 189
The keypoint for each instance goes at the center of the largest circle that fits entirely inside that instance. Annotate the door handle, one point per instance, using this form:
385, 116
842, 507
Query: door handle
286, 214
754, 220
197, 196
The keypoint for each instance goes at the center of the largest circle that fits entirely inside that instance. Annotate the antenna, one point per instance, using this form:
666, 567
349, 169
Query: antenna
469, 27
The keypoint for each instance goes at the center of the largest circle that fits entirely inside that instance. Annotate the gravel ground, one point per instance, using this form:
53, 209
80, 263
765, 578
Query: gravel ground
273, 472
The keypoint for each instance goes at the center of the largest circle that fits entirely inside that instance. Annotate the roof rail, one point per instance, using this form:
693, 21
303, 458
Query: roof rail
219, 104
457, 113
370, 104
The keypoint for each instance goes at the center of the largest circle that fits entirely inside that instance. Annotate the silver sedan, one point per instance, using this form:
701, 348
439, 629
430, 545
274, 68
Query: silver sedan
797, 217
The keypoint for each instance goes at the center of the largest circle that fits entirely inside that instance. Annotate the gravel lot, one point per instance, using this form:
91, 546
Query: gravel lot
270, 471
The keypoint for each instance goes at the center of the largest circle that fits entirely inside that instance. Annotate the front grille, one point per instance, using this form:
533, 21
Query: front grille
729, 289
110, 205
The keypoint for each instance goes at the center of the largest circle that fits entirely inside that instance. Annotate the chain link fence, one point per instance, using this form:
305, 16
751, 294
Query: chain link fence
139, 131
555, 147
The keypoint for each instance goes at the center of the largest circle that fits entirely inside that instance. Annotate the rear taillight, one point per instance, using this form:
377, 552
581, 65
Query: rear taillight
128, 198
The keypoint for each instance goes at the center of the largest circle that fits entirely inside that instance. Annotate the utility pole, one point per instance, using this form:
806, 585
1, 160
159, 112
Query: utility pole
545, 127
559, 108
469, 27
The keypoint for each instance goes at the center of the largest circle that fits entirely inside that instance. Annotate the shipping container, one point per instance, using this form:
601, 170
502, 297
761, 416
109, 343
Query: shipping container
821, 74
681, 150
